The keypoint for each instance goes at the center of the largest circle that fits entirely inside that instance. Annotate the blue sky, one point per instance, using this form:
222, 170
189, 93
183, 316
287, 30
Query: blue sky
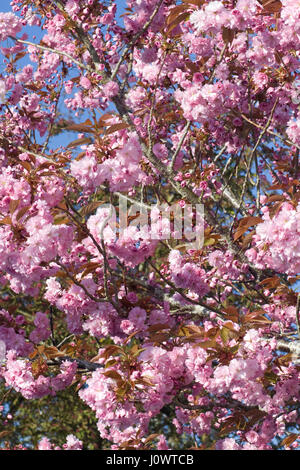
5, 5
35, 34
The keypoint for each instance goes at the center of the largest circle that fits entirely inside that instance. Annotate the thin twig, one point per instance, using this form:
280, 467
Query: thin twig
180, 143
298, 314
54, 51
136, 38
268, 131
196, 302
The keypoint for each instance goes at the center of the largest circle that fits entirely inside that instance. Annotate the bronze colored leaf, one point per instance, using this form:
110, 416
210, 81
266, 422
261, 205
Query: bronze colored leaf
13, 205
256, 317
116, 127
177, 21
287, 441
207, 344
194, 2
86, 210
105, 117
111, 350
158, 327
77, 142
26, 165
151, 438
271, 282
249, 221
244, 224
6, 221
232, 313
276, 197
79, 128
175, 12
228, 35
271, 6
61, 219
90, 269
113, 374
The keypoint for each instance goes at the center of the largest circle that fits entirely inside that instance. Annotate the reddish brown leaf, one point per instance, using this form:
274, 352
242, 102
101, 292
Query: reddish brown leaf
13, 205
158, 327
77, 142
177, 21
228, 35
271, 282
232, 313
272, 6
151, 438
276, 197
86, 210
4, 433
244, 224
175, 12
256, 317
90, 269
80, 128
198, 3
287, 441
26, 165
249, 221
6, 221
113, 374
116, 127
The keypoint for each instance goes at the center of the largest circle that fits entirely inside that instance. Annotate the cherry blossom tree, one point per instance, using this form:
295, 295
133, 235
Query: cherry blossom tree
143, 339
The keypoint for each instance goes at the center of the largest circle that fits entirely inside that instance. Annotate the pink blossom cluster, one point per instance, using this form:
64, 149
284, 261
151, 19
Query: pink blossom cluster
42, 329
18, 374
143, 10
164, 371
175, 99
12, 335
132, 245
213, 16
10, 25
277, 241
290, 14
122, 172
12, 188
208, 101
72, 443
74, 302
187, 275
293, 130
